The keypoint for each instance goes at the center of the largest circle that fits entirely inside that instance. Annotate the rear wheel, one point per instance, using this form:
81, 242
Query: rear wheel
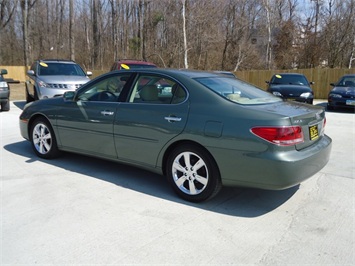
193, 173
43, 139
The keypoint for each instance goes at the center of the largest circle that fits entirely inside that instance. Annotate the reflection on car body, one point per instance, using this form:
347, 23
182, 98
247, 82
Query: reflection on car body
204, 131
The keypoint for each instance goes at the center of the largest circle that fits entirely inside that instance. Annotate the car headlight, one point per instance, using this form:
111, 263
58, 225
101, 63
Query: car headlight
276, 93
334, 95
306, 94
43, 84
3, 84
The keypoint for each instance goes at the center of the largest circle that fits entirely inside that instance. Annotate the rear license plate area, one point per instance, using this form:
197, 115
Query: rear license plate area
313, 132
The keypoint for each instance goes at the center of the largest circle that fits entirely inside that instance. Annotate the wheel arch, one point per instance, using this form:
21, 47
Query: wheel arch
34, 118
183, 142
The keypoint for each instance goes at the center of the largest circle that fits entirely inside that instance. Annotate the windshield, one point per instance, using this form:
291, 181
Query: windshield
59, 69
133, 66
347, 82
289, 79
238, 91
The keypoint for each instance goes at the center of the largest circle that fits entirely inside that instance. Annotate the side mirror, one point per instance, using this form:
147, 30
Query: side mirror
88, 73
69, 96
267, 81
312, 83
3, 72
332, 84
30, 72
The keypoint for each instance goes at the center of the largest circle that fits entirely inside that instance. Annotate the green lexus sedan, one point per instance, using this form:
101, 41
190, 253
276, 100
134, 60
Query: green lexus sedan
201, 130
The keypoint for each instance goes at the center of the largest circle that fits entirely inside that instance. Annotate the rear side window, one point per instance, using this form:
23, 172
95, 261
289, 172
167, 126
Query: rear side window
238, 91
153, 89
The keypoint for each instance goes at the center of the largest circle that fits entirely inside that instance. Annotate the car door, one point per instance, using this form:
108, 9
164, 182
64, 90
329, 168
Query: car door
86, 124
156, 111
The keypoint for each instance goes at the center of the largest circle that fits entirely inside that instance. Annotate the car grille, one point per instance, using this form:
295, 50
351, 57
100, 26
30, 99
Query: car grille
347, 96
64, 86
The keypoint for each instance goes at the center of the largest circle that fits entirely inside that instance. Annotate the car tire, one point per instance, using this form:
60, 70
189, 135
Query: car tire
43, 139
5, 106
330, 108
29, 98
191, 183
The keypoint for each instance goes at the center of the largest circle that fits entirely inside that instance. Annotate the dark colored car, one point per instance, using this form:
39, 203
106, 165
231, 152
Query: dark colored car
52, 77
131, 64
291, 86
205, 131
343, 93
4, 92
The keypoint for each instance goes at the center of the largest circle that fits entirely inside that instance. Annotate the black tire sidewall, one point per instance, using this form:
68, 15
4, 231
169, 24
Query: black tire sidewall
53, 152
214, 180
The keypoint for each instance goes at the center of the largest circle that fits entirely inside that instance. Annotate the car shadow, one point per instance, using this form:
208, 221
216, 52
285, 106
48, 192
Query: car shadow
19, 104
242, 202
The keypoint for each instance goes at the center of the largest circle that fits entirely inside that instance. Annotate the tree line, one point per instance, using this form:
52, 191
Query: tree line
200, 34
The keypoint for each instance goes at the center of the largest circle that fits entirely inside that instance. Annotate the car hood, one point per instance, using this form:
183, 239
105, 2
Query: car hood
345, 91
64, 79
285, 88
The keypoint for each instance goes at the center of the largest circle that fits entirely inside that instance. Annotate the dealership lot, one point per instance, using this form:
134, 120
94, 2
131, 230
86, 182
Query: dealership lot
81, 210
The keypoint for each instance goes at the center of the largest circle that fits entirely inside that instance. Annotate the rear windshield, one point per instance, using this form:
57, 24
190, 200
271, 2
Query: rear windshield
238, 91
59, 69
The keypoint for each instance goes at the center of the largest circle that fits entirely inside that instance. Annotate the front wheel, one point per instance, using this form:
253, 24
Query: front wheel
193, 173
43, 140
5, 106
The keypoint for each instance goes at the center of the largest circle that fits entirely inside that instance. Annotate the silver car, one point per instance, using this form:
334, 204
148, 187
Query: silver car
51, 78
4, 92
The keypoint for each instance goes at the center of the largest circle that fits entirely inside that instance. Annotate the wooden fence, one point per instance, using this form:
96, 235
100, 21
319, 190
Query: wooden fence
321, 77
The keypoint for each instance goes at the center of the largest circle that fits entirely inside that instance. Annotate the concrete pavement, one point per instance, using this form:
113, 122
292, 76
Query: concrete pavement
80, 210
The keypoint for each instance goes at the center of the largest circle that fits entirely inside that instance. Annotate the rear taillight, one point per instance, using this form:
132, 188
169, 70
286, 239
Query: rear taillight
282, 136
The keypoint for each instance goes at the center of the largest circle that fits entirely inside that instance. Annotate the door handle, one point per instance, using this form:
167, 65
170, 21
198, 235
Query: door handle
106, 113
172, 119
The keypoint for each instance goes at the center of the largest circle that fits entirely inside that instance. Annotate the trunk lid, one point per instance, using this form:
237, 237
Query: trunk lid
311, 118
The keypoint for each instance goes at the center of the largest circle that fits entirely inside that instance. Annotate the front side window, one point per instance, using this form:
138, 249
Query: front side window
107, 89
153, 89
238, 91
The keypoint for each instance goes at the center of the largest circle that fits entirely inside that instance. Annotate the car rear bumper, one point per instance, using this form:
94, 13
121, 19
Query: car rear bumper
275, 171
